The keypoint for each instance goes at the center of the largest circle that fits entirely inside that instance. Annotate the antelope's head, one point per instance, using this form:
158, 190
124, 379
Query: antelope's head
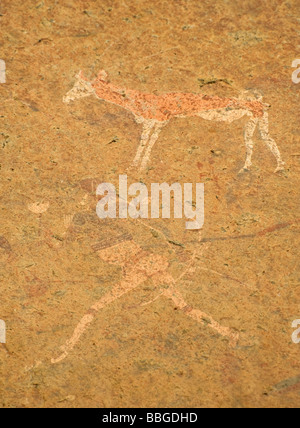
82, 88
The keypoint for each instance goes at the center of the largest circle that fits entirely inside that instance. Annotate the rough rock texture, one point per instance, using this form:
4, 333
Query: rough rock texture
185, 318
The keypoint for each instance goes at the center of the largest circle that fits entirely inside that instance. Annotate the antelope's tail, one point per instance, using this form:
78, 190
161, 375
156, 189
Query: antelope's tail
256, 96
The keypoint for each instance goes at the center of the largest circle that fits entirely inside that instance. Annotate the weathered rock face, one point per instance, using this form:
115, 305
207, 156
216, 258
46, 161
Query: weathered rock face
123, 312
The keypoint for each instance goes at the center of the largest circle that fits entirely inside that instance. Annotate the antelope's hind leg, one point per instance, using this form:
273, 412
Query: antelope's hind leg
264, 133
248, 135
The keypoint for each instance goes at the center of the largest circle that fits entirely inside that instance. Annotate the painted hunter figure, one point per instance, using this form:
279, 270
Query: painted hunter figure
117, 242
138, 266
155, 111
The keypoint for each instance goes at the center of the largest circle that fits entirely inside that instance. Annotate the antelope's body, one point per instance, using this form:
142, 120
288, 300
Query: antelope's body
155, 111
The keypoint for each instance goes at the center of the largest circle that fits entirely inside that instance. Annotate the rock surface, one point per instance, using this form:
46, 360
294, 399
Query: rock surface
172, 318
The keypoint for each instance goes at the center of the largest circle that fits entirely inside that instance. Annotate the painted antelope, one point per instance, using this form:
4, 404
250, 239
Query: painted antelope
155, 111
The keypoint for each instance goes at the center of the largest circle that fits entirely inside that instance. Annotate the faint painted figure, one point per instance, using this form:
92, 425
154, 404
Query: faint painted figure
138, 266
155, 111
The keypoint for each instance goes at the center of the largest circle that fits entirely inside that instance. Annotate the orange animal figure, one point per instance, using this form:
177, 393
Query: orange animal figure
155, 111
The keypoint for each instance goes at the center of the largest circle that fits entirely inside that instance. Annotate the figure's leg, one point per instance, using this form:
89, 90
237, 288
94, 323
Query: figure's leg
118, 291
264, 132
147, 128
200, 316
248, 135
135, 274
158, 127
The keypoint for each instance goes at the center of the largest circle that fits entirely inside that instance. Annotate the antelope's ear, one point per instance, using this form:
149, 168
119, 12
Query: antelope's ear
102, 75
81, 76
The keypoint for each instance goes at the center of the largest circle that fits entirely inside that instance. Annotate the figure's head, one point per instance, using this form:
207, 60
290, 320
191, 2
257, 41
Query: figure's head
82, 88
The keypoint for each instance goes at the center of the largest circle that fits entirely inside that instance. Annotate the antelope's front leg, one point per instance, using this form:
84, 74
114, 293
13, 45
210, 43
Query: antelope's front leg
154, 137
147, 128
248, 135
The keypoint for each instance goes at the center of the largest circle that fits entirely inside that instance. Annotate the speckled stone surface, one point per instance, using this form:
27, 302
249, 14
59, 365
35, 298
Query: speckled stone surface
173, 318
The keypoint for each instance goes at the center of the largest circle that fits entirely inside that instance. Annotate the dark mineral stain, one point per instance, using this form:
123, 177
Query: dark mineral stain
263, 232
287, 384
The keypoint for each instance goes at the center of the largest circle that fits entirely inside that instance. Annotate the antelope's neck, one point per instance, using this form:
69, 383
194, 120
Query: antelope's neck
111, 93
